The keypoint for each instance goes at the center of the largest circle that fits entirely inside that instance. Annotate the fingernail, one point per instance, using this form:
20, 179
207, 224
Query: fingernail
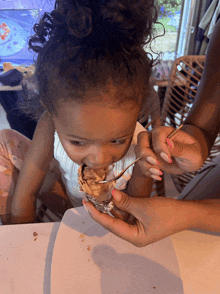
156, 178
165, 157
170, 143
84, 203
116, 195
151, 160
155, 171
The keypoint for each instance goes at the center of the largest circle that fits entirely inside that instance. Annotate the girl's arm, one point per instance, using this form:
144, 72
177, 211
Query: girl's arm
33, 172
139, 186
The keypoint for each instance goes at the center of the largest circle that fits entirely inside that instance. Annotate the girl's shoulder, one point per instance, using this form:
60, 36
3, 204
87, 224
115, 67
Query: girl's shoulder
130, 155
139, 128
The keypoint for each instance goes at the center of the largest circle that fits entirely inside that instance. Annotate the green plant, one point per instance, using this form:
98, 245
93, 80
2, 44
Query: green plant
167, 8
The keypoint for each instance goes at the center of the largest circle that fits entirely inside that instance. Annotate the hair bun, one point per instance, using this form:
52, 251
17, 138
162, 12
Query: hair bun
79, 21
133, 19
101, 26
112, 25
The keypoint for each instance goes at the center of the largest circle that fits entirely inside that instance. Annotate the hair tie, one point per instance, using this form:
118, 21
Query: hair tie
80, 22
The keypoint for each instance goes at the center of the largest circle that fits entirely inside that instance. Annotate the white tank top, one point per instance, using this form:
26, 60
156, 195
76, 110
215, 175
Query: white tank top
69, 169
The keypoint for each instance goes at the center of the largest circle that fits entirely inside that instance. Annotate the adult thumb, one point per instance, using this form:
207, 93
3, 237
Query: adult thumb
124, 202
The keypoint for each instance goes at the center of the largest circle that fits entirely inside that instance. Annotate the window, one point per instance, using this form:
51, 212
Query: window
169, 14
175, 15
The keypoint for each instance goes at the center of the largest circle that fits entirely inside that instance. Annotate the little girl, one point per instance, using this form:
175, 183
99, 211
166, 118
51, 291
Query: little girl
93, 78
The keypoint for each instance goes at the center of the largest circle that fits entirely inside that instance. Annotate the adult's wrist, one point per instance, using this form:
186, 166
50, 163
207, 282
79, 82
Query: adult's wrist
206, 214
187, 214
200, 137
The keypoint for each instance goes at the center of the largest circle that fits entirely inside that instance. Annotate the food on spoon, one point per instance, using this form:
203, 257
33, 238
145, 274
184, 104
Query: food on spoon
99, 194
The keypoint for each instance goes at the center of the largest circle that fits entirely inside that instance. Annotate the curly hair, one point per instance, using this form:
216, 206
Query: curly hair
83, 44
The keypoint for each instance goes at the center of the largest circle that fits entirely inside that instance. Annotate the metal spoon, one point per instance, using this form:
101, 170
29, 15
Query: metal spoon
174, 132
119, 175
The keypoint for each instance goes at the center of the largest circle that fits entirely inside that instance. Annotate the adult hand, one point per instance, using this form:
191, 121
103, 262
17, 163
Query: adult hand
182, 153
156, 218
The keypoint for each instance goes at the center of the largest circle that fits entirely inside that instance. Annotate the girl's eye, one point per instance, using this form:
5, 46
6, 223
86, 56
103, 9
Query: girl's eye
82, 144
77, 143
118, 142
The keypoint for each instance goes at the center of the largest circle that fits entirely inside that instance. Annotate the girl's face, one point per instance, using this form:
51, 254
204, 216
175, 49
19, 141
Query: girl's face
95, 134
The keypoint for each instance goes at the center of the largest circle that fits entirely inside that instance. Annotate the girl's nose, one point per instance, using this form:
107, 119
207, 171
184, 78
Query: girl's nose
98, 158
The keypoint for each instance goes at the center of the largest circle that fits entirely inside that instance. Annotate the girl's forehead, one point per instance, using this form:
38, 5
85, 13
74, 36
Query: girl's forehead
96, 121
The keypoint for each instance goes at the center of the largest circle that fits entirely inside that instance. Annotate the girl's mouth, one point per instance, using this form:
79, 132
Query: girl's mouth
98, 167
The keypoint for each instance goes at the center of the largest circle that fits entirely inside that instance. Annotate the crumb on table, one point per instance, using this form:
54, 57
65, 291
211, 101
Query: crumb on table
88, 248
82, 236
35, 239
35, 234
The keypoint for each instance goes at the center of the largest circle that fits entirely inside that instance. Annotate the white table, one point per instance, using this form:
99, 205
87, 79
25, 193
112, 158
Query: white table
25, 263
26, 259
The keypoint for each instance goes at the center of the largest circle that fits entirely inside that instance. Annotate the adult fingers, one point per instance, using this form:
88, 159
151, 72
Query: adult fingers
123, 215
124, 203
148, 162
161, 145
116, 212
143, 148
116, 226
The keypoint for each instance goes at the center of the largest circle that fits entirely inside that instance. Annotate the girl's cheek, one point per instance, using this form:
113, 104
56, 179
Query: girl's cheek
76, 157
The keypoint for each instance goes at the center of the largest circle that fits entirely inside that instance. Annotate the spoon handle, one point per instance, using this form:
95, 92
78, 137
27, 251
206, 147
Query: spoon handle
174, 132
121, 173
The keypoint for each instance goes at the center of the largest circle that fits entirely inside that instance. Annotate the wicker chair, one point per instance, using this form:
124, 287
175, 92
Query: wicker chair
184, 79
